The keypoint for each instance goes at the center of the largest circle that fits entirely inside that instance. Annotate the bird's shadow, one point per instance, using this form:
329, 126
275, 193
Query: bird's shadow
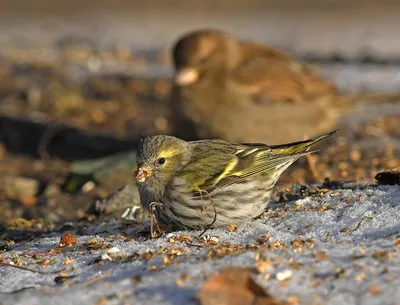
22, 136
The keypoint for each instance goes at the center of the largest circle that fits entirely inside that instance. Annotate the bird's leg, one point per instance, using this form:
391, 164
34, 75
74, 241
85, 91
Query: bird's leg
153, 219
213, 205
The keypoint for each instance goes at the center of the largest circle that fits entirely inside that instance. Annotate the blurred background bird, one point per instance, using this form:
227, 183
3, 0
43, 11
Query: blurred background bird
244, 91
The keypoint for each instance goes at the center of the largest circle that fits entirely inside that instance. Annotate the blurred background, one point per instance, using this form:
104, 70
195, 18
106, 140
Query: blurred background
321, 28
86, 79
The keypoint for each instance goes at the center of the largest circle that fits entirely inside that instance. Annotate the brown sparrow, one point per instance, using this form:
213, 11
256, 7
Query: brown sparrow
247, 92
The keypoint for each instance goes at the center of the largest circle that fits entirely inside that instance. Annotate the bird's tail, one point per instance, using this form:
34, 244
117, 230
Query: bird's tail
301, 146
375, 97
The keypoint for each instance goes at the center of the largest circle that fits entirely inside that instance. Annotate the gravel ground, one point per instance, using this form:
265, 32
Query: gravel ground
337, 247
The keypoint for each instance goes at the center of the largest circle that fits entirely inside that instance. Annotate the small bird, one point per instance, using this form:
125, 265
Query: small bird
210, 183
242, 91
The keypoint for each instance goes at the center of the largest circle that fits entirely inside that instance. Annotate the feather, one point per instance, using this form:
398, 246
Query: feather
218, 163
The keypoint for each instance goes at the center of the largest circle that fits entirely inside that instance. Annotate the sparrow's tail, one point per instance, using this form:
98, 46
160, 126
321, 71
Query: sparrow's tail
375, 97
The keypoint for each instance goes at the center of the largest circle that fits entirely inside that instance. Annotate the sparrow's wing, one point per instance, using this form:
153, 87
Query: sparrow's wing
270, 75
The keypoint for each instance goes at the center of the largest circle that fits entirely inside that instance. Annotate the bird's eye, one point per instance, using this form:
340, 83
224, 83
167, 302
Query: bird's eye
161, 161
203, 60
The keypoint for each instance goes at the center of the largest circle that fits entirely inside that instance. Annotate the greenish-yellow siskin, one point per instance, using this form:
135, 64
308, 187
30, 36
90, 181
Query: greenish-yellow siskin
210, 182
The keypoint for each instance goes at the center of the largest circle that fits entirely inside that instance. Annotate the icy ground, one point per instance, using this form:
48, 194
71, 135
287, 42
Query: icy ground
339, 247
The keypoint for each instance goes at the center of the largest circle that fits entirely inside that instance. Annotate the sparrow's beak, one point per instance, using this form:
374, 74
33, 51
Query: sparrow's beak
143, 173
186, 76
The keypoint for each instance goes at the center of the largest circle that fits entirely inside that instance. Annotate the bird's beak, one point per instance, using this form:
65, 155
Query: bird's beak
143, 173
186, 76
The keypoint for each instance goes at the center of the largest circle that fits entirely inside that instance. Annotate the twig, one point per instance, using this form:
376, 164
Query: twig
94, 280
314, 171
153, 219
328, 237
194, 245
215, 210
311, 163
31, 270
361, 221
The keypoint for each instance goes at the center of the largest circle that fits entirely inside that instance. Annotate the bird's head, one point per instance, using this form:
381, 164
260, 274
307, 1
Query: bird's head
158, 160
202, 53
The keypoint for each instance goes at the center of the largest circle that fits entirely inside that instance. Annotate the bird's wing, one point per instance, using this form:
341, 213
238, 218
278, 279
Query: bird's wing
218, 166
218, 163
270, 75
210, 158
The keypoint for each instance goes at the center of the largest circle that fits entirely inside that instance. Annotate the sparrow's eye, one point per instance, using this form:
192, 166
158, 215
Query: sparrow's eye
203, 60
161, 161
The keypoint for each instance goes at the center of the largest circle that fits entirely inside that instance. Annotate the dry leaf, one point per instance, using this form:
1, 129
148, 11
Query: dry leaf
67, 240
68, 261
136, 279
232, 228
276, 244
28, 201
93, 244
262, 239
360, 277
263, 265
321, 255
293, 300
374, 290
297, 243
46, 262
234, 286
397, 242
383, 256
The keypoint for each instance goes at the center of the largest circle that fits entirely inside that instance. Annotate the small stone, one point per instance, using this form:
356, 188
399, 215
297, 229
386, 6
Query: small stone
52, 190
284, 275
19, 187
